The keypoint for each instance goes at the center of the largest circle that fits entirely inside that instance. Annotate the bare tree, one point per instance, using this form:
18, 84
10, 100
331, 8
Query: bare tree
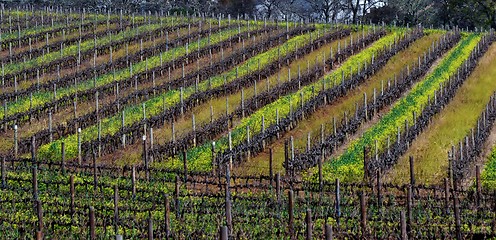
351, 7
327, 10
281, 9
270, 7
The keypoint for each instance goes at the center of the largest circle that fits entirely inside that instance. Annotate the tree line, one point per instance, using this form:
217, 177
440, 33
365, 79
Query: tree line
469, 14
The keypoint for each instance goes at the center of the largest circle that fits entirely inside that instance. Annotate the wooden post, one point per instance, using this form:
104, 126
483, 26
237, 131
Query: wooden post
363, 214
97, 104
176, 198
74, 103
409, 197
309, 224
144, 117
229, 136
39, 210
338, 202
79, 146
223, 233
35, 182
404, 234
92, 224
292, 156
39, 235
167, 217
116, 209
290, 213
328, 232
228, 200
150, 227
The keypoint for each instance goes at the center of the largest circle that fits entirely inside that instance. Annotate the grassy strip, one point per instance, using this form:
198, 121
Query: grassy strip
157, 104
349, 166
41, 98
449, 127
201, 158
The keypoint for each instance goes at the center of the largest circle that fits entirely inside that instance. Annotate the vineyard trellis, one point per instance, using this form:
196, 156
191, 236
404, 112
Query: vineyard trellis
105, 172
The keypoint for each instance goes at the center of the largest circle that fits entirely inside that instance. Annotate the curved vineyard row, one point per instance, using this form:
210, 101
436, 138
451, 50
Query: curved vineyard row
156, 105
114, 107
350, 165
189, 127
375, 104
281, 111
43, 101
